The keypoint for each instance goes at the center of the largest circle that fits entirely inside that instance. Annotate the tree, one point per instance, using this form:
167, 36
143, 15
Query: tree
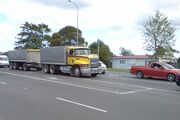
125, 52
159, 35
105, 54
67, 36
32, 36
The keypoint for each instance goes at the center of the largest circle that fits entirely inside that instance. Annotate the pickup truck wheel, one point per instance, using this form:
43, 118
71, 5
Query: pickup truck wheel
140, 74
171, 77
77, 72
46, 69
52, 69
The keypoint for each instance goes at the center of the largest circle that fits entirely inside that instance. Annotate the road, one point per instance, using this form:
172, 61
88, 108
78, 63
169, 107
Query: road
37, 96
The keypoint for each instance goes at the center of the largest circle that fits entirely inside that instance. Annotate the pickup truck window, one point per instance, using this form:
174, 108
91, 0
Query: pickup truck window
167, 66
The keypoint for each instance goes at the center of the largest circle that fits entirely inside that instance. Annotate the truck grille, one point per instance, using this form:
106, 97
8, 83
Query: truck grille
95, 63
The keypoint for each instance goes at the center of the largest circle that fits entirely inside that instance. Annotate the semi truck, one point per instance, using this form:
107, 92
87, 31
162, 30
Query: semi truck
24, 59
74, 60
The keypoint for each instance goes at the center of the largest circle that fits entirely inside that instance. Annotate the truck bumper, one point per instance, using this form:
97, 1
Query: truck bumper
89, 71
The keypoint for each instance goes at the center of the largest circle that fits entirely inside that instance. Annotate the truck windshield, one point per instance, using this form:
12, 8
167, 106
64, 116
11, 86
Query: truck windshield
82, 51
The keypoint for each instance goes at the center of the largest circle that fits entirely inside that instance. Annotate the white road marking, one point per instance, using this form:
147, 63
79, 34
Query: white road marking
83, 105
3, 83
135, 91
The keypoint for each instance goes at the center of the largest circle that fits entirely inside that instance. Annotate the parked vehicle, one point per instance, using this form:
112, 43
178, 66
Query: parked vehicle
103, 67
24, 59
156, 70
75, 60
4, 62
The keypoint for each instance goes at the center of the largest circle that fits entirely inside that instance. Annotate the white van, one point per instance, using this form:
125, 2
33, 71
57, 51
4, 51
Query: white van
4, 62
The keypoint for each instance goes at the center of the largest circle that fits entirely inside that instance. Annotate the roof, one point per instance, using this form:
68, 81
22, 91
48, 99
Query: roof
132, 57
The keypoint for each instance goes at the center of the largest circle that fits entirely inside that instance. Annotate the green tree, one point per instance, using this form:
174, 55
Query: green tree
67, 36
32, 36
159, 35
105, 54
125, 52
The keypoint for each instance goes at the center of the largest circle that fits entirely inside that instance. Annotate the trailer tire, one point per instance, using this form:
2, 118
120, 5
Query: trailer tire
15, 66
52, 69
46, 69
11, 66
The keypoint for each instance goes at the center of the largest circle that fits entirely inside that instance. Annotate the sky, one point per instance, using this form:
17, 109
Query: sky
118, 23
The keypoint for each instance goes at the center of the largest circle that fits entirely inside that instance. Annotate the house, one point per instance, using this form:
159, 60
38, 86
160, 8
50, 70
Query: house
126, 62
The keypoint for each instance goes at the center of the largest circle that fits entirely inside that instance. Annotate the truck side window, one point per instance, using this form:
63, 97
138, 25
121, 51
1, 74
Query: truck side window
70, 52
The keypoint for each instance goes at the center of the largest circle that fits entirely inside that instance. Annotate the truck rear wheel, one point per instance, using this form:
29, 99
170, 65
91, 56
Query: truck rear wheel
52, 69
46, 69
25, 67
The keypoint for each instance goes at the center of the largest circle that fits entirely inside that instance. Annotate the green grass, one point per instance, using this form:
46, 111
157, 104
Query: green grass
118, 70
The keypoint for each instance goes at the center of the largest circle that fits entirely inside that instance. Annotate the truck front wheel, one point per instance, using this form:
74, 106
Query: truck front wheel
77, 72
46, 69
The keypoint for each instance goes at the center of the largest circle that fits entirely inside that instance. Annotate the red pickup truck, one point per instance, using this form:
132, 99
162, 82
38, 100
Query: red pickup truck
157, 70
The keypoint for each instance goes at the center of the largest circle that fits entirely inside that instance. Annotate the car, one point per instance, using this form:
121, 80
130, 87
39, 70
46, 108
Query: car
4, 62
157, 70
103, 67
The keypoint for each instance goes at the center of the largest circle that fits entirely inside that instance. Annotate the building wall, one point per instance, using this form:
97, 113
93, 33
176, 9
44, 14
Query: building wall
128, 63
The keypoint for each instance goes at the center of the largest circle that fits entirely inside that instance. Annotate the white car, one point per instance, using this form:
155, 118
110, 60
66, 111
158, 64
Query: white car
4, 62
103, 66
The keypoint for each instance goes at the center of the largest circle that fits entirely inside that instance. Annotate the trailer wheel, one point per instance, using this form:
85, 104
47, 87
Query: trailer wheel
15, 66
46, 69
52, 69
77, 72
11, 66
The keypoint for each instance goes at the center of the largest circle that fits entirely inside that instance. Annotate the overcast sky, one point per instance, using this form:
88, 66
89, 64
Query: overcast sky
118, 23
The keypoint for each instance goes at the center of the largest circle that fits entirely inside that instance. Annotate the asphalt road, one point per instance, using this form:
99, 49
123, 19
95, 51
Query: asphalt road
37, 96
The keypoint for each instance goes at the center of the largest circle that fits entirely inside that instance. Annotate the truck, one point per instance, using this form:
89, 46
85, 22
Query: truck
75, 60
24, 59
157, 70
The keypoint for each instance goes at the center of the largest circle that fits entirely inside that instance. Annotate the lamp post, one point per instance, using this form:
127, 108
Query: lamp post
77, 18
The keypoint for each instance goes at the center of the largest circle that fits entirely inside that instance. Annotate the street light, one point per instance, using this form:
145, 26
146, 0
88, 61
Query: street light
77, 18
